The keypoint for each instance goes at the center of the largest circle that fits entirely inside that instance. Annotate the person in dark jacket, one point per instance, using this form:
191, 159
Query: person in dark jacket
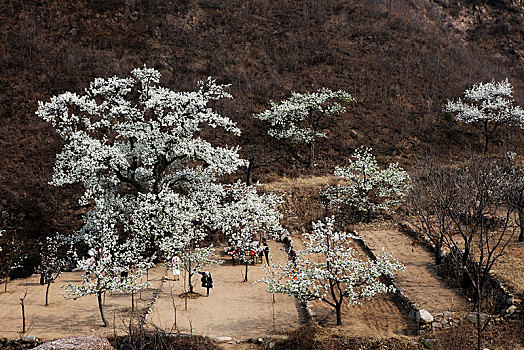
265, 248
207, 281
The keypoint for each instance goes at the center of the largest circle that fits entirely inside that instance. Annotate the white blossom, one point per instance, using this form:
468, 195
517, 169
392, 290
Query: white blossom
490, 105
341, 274
366, 187
290, 119
148, 174
300, 118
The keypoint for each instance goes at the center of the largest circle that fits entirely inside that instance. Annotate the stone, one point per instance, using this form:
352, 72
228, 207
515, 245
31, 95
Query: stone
29, 338
511, 310
423, 316
271, 345
260, 341
447, 314
86, 342
472, 317
437, 325
222, 339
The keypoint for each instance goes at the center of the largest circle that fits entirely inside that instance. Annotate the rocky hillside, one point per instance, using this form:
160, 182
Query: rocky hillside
401, 60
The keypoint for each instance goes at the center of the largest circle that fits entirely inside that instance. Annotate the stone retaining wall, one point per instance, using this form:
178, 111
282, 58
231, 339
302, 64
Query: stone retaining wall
292, 254
495, 290
425, 320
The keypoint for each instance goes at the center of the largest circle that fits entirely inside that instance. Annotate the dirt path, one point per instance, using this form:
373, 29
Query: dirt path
66, 317
420, 280
234, 308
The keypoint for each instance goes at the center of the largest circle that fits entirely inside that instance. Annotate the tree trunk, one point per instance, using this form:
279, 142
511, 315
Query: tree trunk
132, 303
466, 280
311, 155
249, 172
101, 308
47, 292
190, 274
338, 309
190, 284
23, 313
245, 277
521, 224
479, 327
486, 137
438, 252
438, 256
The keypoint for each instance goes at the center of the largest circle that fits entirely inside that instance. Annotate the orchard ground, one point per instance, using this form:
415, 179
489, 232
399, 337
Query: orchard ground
234, 308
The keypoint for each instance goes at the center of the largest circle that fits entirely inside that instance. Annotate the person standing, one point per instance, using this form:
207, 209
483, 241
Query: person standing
207, 281
265, 248
175, 263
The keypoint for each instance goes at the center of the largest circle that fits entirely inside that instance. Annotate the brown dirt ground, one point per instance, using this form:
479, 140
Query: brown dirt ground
510, 267
234, 308
66, 317
420, 280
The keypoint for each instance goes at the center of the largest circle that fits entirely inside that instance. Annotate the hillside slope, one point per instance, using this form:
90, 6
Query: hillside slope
401, 59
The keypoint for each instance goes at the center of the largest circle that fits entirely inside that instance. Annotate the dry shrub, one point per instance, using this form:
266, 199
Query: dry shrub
311, 336
508, 336
158, 339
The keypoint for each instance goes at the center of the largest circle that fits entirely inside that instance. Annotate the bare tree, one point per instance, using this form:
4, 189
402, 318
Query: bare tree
471, 215
430, 197
513, 180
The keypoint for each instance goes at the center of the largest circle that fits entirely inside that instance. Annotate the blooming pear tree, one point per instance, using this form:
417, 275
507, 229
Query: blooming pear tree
55, 256
301, 118
132, 142
251, 217
12, 258
488, 106
340, 275
109, 267
149, 176
366, 188
245, 247
194, 259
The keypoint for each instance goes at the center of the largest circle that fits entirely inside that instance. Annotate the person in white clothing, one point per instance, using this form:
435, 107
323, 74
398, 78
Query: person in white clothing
175, 263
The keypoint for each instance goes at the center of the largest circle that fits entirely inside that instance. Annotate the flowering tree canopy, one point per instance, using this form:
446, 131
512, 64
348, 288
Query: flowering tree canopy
149, 176
340, 274
490, 106
368, 188
300, 117
111, 265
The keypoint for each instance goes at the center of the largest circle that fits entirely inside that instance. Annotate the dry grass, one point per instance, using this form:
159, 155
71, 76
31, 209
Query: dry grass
510, 268
284, 184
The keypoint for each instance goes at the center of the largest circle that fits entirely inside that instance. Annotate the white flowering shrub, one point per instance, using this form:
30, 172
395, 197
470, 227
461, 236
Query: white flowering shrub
366, 188
149, 176
300, 118
488, 106
341, 275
